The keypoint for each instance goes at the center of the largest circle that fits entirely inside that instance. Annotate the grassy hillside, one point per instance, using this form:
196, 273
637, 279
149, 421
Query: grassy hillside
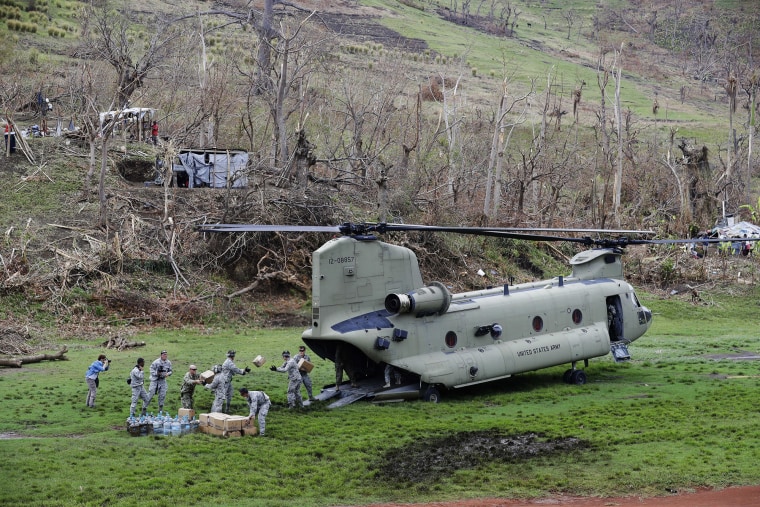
357, 102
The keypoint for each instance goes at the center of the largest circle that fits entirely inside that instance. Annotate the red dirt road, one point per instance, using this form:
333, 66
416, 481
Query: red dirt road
748, 496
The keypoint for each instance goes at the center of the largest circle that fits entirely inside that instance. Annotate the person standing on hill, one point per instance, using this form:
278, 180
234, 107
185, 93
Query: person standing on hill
340, 366
189, 381
305, 378
229, 370
160, 369
154, 133
290, 367
219, 388
91, 377
137, 382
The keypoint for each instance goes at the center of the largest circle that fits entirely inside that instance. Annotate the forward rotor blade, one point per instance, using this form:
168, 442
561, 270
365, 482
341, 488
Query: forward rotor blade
267, 228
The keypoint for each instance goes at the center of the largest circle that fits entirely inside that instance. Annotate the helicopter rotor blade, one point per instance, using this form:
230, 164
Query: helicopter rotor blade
519, 233
267, 228
368, 228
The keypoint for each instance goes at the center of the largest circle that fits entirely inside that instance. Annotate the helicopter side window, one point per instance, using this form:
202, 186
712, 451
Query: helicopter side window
577, 316
538, 323
451, 339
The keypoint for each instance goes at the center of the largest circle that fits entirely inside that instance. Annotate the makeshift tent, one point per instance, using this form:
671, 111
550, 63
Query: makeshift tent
140, 116
211, 168
738, 230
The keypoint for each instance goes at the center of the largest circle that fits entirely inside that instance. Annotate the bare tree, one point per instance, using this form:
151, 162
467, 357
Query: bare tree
617, 71
570, 17
107, 36
501, 136
731, 88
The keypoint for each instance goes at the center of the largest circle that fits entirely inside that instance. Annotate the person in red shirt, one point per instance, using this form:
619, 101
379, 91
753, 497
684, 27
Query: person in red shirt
154, 133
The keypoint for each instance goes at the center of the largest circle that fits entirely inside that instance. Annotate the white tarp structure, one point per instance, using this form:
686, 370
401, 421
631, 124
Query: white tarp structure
141, 116
212, 168
738, 230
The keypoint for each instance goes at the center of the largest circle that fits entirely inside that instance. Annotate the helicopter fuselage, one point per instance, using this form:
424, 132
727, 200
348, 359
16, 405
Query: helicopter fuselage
369, 296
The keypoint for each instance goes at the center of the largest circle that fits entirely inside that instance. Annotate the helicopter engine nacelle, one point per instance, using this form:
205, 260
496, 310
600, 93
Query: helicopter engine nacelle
431, 300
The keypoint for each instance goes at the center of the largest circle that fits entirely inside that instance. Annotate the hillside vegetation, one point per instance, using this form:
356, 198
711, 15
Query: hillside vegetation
526, 113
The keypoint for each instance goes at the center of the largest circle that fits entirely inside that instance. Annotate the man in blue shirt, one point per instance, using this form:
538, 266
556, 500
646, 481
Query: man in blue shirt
91, 377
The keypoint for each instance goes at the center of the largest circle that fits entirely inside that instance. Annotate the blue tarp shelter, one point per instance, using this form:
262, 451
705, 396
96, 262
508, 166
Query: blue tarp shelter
212, 168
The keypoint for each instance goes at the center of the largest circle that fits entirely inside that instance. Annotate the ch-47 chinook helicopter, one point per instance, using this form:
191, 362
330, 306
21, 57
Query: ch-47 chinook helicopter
370, 302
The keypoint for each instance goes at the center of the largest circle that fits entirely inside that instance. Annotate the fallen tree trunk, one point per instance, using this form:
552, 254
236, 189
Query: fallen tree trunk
120, 343
18, 361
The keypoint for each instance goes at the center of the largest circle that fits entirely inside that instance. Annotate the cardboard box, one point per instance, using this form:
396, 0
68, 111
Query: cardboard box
207, 376
217, 419
204, 419
250, 430
260, 360
305, 365
235, 423
210, 430
189, 412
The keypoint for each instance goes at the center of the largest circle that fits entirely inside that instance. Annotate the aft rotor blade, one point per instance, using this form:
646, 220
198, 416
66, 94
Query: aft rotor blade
477, 230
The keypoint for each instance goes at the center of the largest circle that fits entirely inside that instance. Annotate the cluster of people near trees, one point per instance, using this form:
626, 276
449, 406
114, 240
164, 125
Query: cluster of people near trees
221, 385
742, 245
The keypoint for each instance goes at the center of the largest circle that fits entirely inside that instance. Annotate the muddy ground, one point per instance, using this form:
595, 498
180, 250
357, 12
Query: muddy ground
425, 460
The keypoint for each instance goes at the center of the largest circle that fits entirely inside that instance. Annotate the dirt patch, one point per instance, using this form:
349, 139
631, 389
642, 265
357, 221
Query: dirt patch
10, 435
742, 355
425, 460
362, 28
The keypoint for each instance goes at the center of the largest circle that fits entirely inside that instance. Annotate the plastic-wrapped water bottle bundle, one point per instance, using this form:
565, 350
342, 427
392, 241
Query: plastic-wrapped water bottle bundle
161, 424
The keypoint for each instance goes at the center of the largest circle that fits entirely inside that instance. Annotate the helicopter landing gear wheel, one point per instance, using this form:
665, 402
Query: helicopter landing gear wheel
578, 377
431, 394
566, 376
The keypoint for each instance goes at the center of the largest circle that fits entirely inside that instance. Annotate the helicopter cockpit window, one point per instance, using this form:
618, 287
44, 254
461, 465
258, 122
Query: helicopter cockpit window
451, 339
577, 316
635, 300
538, 323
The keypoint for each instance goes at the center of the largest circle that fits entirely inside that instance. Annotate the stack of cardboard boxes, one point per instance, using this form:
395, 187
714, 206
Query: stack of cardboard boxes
225, 425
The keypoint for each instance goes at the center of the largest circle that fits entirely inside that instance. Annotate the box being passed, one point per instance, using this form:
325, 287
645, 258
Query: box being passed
259, 360
207, 376
305, 365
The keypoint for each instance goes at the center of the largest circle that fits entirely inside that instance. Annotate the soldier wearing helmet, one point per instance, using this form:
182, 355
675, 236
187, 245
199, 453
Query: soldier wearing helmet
229, 370
219, 388
290, 367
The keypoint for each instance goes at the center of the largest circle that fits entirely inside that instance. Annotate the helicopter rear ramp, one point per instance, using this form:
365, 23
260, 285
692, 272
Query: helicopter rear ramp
367, 390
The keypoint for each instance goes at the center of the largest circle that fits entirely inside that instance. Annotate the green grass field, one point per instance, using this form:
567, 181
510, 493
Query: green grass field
673, 417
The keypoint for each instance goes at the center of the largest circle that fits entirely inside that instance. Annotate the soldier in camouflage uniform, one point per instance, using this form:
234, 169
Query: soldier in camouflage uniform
189, 381
160, 369
137, 382
305, 378
218, 386
229, 370
258, 402
294, 379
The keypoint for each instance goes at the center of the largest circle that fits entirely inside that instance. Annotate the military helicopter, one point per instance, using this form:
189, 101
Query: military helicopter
371, 307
